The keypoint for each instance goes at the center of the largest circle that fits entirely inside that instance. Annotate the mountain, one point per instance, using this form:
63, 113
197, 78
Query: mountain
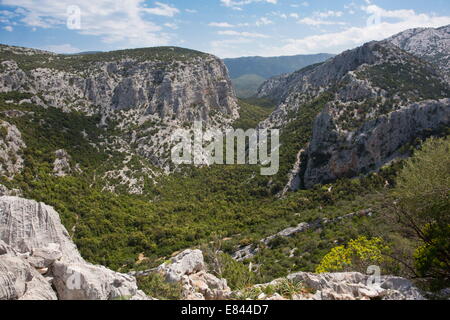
271, 66
90, 136
147, 93
248, 73
371, 102
427, 43
155, 81
247, 85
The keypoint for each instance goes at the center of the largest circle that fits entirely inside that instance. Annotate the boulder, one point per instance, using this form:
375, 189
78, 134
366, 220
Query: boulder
189, 269
33, 242
27, 225
356, 286
19, 280
185, 263
81, 281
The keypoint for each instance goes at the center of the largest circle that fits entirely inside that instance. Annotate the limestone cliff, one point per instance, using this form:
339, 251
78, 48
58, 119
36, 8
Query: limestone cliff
168, 82
37, 255
374, 100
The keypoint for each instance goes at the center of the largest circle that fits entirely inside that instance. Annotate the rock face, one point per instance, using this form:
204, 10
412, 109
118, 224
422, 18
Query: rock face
428, 43
36, 250
11, 148
356, 286
145, 95
168, 82
189, 269
370, 101
61, 165
335, 286
19, 280
187, 262
334, 153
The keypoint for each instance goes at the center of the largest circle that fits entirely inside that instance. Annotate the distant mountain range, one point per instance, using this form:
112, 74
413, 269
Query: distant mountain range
273, 66
248, 73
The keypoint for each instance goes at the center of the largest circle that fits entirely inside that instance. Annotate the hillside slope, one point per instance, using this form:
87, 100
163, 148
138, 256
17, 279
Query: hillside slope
145, 94
430, 44
248, 73
359, 90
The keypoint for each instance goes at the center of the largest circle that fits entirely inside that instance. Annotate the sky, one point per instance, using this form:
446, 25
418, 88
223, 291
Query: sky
226, 28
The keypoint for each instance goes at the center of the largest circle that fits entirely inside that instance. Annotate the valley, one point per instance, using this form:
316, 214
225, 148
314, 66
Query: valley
364, 139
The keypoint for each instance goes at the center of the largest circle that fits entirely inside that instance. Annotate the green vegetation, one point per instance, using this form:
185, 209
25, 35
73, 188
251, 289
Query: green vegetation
247, 85
356, 256
155, 286
422, 206
412, 80
42, 59
286, 288
252, 112
190, 208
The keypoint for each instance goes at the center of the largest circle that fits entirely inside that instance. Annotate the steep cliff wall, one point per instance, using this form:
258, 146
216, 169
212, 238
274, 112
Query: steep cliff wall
168, 82
334, 153
375, 99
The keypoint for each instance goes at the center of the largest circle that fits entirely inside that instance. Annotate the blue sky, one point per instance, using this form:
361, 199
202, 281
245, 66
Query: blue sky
227, 28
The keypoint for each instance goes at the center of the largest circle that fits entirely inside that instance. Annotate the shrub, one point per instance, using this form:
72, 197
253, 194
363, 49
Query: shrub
422, 206
356, 256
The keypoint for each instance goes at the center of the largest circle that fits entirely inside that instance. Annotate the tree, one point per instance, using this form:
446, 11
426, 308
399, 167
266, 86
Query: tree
356, 256
422, 206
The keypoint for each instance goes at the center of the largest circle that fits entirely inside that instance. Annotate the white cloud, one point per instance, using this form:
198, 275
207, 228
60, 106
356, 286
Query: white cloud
220, 24
320, 18
336, 42
126, 23
172, 26
231, 48
163, 9
8, 28
241, 34
319, 22
237, 4
263, 21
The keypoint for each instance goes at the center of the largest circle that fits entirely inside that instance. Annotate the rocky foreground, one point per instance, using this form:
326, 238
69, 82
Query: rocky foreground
39, 261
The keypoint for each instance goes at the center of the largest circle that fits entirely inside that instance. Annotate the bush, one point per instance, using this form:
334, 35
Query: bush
422, 206
356, 256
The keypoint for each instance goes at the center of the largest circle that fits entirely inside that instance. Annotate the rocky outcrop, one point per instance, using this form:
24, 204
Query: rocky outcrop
188, 268
36, 251
334, 153
21, 281
356, 286
61, 165
427, 43
186, 263
144, 94
11, 148
168, 82
371, 102
334, 286
251, 250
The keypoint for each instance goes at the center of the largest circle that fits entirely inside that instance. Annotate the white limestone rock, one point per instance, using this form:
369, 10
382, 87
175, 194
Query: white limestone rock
185, 263
356, 286
188, 268
82, 281
20, 281
11, 148
33, 241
